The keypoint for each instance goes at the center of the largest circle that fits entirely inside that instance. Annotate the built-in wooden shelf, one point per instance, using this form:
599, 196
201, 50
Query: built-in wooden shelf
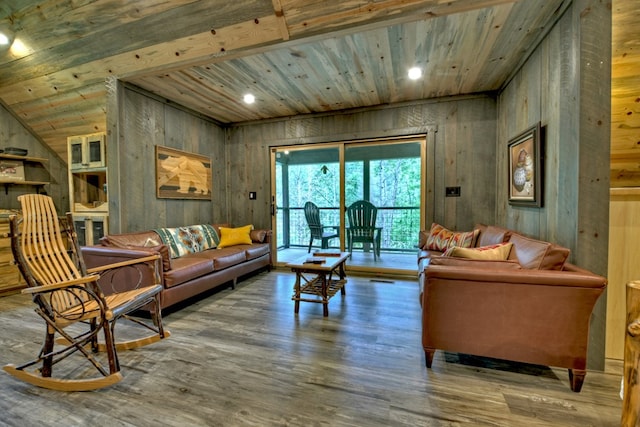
27, 160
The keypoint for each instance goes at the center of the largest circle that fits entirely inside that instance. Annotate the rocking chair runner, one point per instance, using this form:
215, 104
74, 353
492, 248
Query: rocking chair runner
66, 294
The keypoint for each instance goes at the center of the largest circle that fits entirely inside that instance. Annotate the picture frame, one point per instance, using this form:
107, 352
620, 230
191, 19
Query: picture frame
182, 175
11, 170
526, 168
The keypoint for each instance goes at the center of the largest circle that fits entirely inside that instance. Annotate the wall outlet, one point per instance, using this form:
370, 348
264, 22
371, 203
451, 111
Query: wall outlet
452, 192
252, 195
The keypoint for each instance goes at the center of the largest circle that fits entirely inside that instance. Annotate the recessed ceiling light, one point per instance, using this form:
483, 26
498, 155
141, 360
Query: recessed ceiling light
415, 73
249, 99
6, 36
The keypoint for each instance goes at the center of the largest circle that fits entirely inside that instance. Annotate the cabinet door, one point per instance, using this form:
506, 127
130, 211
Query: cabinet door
86, 152
94, 151
97, 229
76, 150
90, 229
81, 231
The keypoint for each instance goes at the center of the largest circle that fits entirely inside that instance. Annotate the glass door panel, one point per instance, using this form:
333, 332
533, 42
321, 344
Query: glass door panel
387, 174
304, 175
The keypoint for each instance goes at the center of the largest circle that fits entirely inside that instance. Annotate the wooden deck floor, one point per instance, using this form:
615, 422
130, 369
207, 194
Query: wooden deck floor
242, 358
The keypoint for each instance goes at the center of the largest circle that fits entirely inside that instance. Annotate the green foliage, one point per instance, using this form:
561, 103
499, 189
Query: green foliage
394, 187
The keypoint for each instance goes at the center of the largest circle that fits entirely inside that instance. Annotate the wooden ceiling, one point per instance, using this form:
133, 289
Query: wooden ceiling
295, 56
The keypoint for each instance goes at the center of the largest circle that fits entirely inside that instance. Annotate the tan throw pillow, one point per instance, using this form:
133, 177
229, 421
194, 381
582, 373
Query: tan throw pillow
475, 263
492, 253
441, 239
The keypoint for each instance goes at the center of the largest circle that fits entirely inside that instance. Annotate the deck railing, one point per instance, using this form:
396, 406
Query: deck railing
400, 227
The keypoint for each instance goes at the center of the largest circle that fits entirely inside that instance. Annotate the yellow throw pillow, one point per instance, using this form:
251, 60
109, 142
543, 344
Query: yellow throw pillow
235, 236
493, 253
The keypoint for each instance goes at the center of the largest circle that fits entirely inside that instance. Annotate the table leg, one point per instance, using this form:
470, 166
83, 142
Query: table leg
296, 288
325, 300
343, 275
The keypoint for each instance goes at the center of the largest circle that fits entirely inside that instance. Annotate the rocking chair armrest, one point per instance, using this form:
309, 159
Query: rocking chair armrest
123, 263
61, 285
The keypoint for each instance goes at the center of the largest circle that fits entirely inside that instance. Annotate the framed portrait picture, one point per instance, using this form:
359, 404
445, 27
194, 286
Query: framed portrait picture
182, 175
525, 168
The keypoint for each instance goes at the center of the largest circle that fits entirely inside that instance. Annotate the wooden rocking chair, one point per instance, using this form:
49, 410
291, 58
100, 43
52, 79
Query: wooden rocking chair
67, 294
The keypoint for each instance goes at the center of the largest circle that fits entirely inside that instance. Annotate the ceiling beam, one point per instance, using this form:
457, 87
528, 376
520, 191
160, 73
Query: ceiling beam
248, 37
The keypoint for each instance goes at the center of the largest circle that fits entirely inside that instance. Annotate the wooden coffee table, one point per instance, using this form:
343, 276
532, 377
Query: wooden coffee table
322, 278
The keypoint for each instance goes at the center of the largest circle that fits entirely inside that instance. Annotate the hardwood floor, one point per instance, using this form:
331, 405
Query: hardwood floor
242, 358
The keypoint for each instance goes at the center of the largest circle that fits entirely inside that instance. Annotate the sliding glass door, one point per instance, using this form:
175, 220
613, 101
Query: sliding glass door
386, 173
304, 175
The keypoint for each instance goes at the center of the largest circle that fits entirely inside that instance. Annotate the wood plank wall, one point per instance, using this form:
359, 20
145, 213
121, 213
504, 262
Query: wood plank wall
14, 134
460, 134
564, 85
136, 123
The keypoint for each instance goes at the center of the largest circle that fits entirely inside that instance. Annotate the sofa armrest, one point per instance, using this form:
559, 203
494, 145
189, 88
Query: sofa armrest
422, 239
261, 236
128, 274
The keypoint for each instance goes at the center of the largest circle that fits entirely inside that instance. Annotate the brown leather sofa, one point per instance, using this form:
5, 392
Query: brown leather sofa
188, 275
532, 307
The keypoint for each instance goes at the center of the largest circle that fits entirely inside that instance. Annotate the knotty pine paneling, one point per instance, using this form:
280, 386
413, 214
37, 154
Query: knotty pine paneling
624, 235
625, 95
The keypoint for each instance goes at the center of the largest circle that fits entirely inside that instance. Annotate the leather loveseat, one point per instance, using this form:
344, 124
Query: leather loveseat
200, 260
505, 296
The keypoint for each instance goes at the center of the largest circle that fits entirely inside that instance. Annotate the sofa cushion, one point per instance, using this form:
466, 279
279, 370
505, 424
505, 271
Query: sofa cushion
235, 236
186, 268
441, 239
256, 251
223, 257
492, 235
228, 258
178, 239
537, 254
498, 252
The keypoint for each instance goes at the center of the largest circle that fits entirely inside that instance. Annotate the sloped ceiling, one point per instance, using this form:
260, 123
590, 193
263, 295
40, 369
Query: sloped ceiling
295, 56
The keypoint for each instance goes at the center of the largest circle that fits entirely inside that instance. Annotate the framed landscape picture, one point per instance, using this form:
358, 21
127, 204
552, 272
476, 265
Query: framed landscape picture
525, 168
182, 175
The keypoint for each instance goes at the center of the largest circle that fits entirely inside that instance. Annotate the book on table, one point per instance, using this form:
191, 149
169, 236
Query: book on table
326, 253
315, 260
